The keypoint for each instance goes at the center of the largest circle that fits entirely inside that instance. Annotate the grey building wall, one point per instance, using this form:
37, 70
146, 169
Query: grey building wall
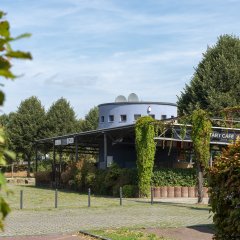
131, 110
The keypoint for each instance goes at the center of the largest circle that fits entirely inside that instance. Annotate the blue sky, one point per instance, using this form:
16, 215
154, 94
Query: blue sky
90, 51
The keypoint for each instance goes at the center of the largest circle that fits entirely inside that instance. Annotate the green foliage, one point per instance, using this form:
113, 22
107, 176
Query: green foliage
215, 83
201, 129
90, 122
224, 182
130, 191
145, 148
6, 55
126, 234
174, 177
61, 119
27, 125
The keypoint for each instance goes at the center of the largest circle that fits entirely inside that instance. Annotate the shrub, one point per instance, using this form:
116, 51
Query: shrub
174, 177
224, 182
43, 178
130, 191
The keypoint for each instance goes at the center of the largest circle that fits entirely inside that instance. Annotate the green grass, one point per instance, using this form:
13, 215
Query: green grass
126, 234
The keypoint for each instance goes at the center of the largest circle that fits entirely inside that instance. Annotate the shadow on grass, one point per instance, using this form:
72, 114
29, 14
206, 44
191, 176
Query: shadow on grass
205, 228
183, 205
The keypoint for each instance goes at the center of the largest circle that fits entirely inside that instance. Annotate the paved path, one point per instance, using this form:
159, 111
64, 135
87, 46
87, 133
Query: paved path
132, 214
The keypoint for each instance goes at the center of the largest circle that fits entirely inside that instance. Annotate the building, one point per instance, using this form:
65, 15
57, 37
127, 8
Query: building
114, 140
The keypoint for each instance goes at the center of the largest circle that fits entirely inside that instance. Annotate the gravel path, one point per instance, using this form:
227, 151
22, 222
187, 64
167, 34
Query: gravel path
132, 214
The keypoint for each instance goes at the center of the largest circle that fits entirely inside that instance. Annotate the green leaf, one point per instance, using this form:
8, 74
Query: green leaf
2, 97
2, 14
10, 154
7, 74
4, 29
4, 63
19, 54
25, 35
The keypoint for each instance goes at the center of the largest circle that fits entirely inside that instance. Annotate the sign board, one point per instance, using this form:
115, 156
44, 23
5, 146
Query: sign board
64, 141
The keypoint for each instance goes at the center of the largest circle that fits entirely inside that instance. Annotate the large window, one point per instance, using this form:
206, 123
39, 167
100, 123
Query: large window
102, 118
111, 118
137, 116
123, 118
163, 116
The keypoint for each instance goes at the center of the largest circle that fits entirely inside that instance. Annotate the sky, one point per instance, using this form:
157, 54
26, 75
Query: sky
91, 51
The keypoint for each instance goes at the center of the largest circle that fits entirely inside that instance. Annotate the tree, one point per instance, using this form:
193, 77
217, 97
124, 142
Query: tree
216, 82
6, 54
90, 122
201, 129
61, 119
26, 126
145, 149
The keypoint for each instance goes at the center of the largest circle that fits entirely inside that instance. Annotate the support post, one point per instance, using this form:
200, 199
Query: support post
56, 198
76, 149
60, 166
105, 149
21, 199
54, 163
89, 197
36, 158
120, 193
151, 195
12, 165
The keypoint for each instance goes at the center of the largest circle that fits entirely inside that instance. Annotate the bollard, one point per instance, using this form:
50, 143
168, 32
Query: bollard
56, 198
89, 197
120, 193
151, 196
21, 199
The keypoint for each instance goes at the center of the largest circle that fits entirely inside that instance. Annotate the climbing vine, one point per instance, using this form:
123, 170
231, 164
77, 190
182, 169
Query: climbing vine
201, 129
145, 147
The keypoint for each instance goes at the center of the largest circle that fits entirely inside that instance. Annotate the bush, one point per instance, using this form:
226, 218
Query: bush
224, 182
130, 191
43, 178
174, 177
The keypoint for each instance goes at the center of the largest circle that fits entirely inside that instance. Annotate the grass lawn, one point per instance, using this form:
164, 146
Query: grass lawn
127, 234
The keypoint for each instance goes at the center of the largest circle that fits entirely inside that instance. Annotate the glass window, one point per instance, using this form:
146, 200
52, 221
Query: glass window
152, 115
172, 116
163, 116
123, 118
137, 116
102, 118
111, 118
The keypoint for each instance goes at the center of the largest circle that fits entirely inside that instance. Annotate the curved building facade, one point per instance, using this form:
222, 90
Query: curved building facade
118, 114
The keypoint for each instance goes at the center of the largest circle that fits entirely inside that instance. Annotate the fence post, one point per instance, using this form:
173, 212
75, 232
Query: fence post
120, 193
56, 198
21, 199
89, 197
151, 195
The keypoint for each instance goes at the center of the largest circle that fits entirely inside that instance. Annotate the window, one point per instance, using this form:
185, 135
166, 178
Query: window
102, 118
137, 116
172, 116
123, 118
163, 116
111, 118
152, 115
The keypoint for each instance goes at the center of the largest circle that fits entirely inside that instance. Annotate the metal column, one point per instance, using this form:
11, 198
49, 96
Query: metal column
105, 149
36, 158
76, 149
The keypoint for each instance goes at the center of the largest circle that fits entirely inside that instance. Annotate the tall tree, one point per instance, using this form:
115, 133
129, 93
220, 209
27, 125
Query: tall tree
26, 126
6, 55
216, 81
90, 122
61, 118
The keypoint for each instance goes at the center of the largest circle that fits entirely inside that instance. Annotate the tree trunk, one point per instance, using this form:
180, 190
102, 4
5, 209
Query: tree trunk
200, 182
29, 166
